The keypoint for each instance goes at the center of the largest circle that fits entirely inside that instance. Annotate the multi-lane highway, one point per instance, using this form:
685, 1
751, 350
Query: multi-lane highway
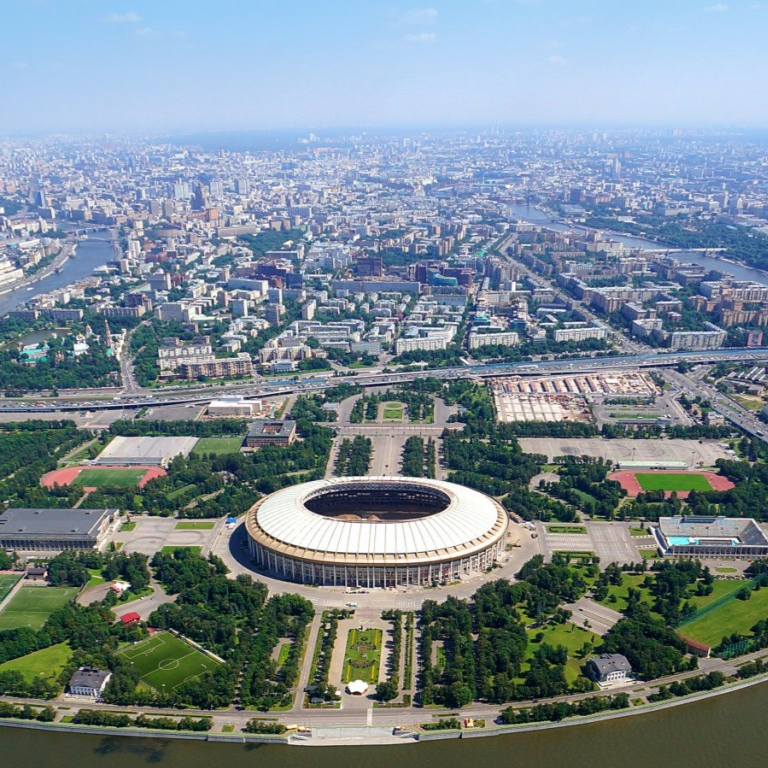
315, 383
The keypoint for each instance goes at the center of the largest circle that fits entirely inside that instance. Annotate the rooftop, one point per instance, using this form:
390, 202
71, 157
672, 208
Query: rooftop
52, 522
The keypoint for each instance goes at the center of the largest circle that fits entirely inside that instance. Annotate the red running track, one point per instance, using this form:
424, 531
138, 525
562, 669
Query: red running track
628, 481
68, 475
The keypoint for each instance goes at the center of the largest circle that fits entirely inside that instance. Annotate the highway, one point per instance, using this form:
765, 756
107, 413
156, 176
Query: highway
141, 398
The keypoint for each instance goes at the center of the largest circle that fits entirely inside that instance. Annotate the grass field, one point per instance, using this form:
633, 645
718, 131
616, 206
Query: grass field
362, 656
217, 445
672, 482
394, 411
566, 529
113, 478
48, 662
164, 660
127, 527
638, 532
735, 616
181, 491
31, 606
194, 525
571, 637
174, 547
7, 580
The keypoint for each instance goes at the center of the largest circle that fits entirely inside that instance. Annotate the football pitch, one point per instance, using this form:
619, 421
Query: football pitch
121, 478
31, 606
165, 661
217, 445
654, 481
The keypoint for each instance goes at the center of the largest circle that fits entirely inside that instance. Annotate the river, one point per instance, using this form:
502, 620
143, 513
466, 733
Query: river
722, 732
536, 216
89, 255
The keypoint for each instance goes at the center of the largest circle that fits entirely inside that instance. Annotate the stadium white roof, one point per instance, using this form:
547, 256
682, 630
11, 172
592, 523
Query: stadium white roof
470, 521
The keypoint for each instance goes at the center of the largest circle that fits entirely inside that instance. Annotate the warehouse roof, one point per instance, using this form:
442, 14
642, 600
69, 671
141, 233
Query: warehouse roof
52, 522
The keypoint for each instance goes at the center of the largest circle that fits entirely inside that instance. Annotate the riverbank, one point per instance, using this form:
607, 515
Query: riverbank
381, 734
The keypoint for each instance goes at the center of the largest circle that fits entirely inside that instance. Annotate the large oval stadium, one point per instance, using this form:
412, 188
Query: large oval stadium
376, 532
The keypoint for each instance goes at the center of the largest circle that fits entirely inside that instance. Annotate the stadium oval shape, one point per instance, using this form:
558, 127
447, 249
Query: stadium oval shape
376, 532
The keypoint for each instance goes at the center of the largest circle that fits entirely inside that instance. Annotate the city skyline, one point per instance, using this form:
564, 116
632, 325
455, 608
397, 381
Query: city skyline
144, 67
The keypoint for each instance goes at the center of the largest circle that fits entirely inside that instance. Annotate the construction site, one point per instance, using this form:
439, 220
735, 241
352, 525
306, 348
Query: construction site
564, 398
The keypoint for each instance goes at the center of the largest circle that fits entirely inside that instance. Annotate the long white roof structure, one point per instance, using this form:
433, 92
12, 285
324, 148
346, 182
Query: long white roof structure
471, 521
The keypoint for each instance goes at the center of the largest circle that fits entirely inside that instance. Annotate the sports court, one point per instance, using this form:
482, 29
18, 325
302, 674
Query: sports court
681, 483
31, 606
165, 661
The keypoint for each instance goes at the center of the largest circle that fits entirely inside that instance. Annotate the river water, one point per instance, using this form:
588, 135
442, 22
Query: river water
535, 216
723, 732
89, 255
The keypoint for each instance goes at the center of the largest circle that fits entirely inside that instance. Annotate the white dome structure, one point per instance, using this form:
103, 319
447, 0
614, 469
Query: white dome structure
376, 531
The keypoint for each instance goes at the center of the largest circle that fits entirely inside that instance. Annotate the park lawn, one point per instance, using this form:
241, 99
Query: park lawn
362, 656
653, 481
638, 532
194, 525
165, 661
127, 527
566, 529
180, 491
49, 662
112, 478
393, 411
720, 588
283, 653
31, 606
649, 554
726, 569
218, 446
571, 637
7, 581
170, 548
630, 581
737, 616
95, 578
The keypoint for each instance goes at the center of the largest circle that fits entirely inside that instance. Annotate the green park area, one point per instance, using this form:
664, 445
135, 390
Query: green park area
31, 606
578, 641
217, 446
48, 662
165, 661
660, 481
171, 548
734, 616
7, 580
109, 478
195, 525
362, 656
393, 411
566, 529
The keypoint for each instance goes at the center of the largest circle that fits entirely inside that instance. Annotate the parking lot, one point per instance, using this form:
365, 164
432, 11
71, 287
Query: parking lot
611, 542
153, 533
700, 453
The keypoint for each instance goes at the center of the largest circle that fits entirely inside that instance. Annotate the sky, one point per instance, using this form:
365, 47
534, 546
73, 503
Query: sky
198, 65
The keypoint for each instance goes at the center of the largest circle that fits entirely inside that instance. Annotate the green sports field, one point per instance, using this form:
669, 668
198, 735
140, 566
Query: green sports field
737, 616
165, 660
31, 606
194, 525
655, 481
7, 580
99, 478
217, 445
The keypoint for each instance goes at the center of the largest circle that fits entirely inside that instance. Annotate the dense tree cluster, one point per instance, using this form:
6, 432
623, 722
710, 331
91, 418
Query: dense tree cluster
563, 709
354, 457
419, 457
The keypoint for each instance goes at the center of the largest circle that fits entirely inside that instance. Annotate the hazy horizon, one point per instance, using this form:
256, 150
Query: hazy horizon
79, 66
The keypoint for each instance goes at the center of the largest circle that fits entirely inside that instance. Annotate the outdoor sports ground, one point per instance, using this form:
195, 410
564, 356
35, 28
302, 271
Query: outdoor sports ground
681, 483
166, 661
92, 478
31, 606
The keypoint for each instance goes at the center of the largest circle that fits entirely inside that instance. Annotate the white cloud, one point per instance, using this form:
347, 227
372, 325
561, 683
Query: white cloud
557, 60
717, 8
123, 18
420, 37
420, 16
